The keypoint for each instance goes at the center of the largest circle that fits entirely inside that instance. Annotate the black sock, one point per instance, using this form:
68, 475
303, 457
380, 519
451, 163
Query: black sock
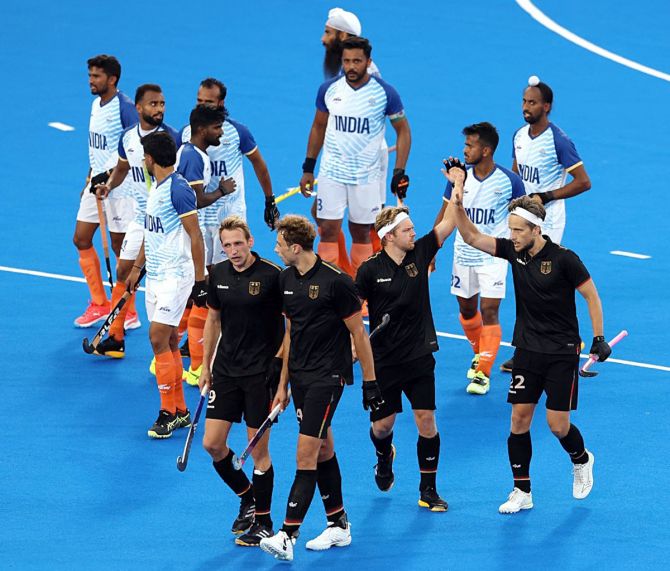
299, 499
520, 451
236, 479
263, 483
428, 452
573, 444
329, 480
382, 445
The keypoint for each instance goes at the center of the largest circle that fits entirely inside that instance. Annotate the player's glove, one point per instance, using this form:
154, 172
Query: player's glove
199, 293
271, 212
372, 396
273, 373
101, 178
399, 183
543, 196
455, 163
600, 348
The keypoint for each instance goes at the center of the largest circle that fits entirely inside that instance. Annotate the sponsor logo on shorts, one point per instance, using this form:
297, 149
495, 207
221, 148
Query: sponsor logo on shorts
293, 504
254, 288
313, 292
412, 270
164, 308
498, 284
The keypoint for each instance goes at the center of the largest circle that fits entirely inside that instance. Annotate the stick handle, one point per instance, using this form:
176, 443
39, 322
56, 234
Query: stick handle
612, 343
292, 192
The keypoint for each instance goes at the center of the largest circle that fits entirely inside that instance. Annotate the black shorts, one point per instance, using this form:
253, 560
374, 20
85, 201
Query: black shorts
315, 403
556, 375
415, 378
232, 397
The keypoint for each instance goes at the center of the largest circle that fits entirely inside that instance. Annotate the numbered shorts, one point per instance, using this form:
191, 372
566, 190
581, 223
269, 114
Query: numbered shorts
315, 403
362, 200
213, 250
231, 398
415, 378
487, 280
132, 241
556, 375
166, 299
119, 212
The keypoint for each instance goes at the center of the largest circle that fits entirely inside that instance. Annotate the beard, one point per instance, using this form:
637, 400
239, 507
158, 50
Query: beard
332, 60
154, 122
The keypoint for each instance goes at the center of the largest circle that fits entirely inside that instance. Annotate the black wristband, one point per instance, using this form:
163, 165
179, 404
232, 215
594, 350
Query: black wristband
398, 171
546, 196
598, 339
309, 165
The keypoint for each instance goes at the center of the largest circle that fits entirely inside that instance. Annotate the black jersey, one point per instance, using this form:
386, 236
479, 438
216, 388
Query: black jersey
317, 303
544, 289
252, 324
402, 292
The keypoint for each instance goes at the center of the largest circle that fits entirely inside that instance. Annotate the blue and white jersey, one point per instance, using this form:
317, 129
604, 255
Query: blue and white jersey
132, 151
167, 246
543, 163
105, 127
194, 166
485, 202
356, 127
226, 161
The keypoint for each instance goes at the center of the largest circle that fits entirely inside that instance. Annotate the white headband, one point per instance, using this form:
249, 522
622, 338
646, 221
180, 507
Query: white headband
532, 218
384, 230
344, 21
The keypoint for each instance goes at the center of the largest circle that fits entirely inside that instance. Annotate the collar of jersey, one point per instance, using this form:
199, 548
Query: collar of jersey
233, 271
360, 86
540, 134
311, 271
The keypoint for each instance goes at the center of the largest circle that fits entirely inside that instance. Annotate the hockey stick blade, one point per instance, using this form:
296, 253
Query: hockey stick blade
182, 460
88, 348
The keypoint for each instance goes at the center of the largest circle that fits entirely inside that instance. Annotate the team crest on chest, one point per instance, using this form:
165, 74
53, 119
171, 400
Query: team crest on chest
313, 292
254, 288
412, 270
545, 267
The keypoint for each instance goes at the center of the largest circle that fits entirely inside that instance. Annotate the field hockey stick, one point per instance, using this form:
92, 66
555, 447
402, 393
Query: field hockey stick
238, 461
183, 459
584, 371
292, 192
93, 345
105, 244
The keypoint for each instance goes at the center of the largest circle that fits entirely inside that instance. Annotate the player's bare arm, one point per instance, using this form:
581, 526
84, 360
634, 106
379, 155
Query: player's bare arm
580, 183
138, 264
190, 223
281, 395
316, 136
204, 199
590, 294
362, 346
261, 171
403, 141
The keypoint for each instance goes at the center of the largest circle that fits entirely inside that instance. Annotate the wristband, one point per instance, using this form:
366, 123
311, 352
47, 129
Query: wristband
546, 196
138, 267
308, 165
398, 171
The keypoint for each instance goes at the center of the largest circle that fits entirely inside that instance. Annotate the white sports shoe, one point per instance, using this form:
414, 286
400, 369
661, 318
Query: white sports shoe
279, 545
518, 500
583, 478
333, 536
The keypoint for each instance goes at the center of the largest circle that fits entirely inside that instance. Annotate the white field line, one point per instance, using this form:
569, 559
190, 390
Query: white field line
61, 126
630, 255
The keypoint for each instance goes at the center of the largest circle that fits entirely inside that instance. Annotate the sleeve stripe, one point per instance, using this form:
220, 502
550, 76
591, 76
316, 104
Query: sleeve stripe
122, 159
584, 282
352, 315
579, 164
194, 182
188, 213
252, 151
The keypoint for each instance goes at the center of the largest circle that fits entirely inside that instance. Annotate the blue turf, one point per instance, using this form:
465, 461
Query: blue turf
82, 487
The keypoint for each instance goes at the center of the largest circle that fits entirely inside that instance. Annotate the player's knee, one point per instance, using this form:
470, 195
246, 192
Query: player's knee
425, 423
559, 426
521, 422
490, 315
81, 243
123, 270
382, 428
326, 451
215, 448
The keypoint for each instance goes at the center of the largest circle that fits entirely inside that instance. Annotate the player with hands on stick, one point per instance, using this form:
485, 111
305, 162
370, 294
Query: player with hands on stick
546, 338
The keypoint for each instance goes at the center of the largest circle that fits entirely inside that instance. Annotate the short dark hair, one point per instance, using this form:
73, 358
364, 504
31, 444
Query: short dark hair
204, 116
297, 229
210, 82
145, 88
109, 64
357, 43
160, 146
545, 91
488, 134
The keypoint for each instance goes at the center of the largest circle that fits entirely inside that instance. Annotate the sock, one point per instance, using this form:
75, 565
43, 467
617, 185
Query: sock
359, 253
382, 445
196, 328
130, 304
329, 480
328, 252
299, 500
472, 329
342, 256
180, 403
263, 484
573, 444
164, 379
520, 451
428, 452
116, 329
90, 266
375, 241
489, 343
235, 479
183, 323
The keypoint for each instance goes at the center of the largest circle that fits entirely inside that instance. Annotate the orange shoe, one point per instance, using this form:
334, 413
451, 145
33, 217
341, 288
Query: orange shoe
132, 321
94, 314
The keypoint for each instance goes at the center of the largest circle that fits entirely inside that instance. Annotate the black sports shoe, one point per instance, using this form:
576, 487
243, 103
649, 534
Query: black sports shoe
431, 500
507, 366
384, 471
245, 518
183, 418
164, 425
183, 350
252, 538
110, 347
